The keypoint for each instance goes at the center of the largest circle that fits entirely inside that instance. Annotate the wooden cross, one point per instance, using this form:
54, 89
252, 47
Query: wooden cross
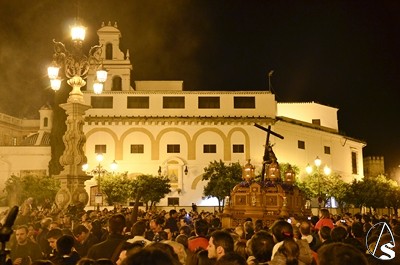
268, 150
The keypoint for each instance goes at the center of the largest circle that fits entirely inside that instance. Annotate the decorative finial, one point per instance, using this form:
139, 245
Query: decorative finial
109, 23
127, 54
102, 24
115, 24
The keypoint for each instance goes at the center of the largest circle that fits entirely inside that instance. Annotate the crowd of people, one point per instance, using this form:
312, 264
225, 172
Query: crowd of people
197, 238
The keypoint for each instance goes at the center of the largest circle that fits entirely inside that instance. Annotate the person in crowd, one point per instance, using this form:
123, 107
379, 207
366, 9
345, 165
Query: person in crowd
260, 248
111, 247
258, 225
340, 254
248, 229
66, 255
339, 234
282, 230
324, 220
305, 231
356, 237
324, 235
25, 251
185, 230
41, 238
138, 231
231, 259
200, 240
156, 225
172, 223
83, 240
288, 253
150, 255
220, 243
52, 237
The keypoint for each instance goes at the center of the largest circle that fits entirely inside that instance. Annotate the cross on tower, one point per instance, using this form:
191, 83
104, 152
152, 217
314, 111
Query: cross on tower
269, 155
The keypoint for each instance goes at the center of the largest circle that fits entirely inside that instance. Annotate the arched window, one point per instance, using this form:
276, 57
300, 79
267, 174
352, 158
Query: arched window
116, 84
109, 51
45, 122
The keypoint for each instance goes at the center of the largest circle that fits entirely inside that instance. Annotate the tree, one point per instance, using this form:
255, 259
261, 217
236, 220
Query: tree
147, 188
319, 185
18, 188
115, 187
156, 188
221, 180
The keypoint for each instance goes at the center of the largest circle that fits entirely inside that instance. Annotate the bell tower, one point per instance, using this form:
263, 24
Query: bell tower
116, 63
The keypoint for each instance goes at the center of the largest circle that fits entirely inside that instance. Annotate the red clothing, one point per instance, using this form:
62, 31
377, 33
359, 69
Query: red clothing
196, 242
324, 222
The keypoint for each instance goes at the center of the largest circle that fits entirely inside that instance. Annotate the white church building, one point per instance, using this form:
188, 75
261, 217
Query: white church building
154, 127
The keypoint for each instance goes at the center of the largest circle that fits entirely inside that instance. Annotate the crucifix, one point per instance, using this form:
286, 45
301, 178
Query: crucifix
269, 155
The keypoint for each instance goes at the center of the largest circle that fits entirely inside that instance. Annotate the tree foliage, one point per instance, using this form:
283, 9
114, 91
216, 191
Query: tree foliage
115, 187
18, 189
319, 185
221, 179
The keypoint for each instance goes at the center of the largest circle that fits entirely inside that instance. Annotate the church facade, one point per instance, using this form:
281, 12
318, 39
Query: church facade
157, 127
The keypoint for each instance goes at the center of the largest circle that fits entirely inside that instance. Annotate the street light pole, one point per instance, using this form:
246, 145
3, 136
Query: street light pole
76, 67
99, 170
327, 171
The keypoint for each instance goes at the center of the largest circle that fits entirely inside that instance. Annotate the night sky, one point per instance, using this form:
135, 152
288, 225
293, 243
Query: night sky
344, 54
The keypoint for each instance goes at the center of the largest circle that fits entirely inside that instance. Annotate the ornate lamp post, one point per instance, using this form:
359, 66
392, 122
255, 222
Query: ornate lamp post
99, 171
327, 171
76, 66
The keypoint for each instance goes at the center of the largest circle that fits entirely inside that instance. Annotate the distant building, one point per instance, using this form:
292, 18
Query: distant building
157, 127
374, 166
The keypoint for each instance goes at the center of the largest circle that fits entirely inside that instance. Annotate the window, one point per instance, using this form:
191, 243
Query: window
244, 102
45, 122
109, 51
138, 103
208, 102
173, 148
316, 121
100, 149
327, 150
209, 148
102, 102
301, 144
174, 102
354, 163
238, 148
172, 201
137, 148
116, 83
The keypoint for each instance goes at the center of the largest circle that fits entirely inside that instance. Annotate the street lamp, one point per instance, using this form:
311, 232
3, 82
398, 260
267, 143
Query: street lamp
326, 170
99, 171
76, 66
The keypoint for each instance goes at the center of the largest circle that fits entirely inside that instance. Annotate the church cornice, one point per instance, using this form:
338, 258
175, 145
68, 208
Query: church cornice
177, 120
